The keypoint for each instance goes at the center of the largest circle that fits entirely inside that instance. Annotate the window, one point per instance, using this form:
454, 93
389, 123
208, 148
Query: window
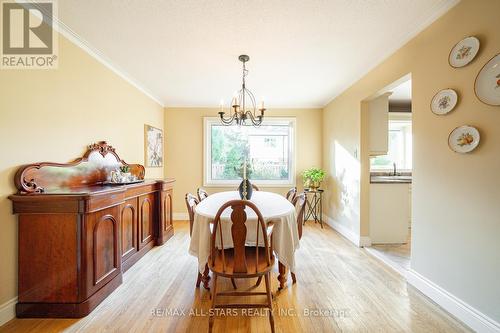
269, 148
400, 146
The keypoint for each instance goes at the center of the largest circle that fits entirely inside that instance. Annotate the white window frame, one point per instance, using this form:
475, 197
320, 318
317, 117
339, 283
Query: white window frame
207, 154
395, 117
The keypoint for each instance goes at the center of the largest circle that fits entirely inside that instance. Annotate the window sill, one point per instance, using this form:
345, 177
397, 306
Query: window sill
259, 185
389, 172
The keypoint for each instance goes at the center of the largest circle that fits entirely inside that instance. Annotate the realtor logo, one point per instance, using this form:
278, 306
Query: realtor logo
28, 38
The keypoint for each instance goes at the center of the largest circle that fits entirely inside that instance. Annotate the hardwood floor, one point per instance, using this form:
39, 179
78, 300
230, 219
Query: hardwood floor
398, 254
355, 292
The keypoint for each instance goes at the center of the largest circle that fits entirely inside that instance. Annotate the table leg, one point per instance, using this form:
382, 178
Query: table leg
282, 276
206, 278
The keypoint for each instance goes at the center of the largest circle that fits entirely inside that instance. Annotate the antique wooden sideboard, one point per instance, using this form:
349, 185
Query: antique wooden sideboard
78, 234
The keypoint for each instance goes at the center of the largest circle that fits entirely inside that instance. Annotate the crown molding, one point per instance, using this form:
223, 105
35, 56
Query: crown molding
95, 53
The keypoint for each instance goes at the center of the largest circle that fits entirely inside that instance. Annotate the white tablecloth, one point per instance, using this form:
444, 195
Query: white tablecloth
272, 206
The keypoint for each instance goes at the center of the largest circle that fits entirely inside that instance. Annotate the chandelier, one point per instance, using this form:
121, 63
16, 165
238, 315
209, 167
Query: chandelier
239, 113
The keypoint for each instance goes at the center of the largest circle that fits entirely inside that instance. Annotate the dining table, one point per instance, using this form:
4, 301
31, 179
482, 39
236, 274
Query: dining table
275, 209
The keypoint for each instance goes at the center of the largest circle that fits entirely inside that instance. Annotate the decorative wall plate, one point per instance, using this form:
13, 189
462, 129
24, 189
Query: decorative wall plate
444, 101
464, 52
464, 139
487, 85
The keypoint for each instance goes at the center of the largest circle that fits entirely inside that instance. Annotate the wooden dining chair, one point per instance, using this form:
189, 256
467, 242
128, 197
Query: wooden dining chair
300, 205
299, 202
191, 202
290, 195
202, 194
240, 261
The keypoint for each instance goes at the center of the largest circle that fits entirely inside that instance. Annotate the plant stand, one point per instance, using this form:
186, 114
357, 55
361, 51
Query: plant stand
314, 205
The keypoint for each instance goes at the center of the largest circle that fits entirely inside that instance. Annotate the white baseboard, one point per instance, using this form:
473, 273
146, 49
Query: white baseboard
365, 241
356, 239
471, 317
180, 216
8, 311
467, 314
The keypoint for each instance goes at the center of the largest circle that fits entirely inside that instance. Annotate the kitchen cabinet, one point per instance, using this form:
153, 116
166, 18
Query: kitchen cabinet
389, 213
378, 119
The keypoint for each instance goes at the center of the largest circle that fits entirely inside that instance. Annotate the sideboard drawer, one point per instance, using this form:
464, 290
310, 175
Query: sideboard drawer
135, 191
99, 202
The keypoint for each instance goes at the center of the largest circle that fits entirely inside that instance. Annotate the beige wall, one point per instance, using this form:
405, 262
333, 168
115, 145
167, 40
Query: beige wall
52, 115
341, 151
456, 215
184, 147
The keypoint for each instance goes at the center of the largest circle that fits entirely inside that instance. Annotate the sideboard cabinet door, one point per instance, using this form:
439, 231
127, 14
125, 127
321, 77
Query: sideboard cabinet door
147, 206
129, 228
168, 211
103, 251
166, 229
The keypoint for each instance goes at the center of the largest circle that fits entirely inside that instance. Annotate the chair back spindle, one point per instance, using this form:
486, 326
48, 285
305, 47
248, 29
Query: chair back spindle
300, 204
191, 202
290, 195
239, 234
202, 194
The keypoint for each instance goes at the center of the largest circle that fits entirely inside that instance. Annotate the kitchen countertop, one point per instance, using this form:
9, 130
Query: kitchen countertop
387, 178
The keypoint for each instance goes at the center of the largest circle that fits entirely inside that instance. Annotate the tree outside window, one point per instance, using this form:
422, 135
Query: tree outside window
266, 149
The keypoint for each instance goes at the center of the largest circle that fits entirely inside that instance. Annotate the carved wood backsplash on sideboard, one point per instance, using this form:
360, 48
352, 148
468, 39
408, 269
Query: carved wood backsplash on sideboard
90, 169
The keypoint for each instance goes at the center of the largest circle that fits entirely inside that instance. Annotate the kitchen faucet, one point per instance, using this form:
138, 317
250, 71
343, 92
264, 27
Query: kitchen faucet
394, 169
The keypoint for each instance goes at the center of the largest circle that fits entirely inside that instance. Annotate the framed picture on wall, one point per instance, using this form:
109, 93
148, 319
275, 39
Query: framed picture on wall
153, 146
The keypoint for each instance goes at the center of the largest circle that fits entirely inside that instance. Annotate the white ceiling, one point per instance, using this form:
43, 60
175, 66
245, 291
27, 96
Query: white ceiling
303, 52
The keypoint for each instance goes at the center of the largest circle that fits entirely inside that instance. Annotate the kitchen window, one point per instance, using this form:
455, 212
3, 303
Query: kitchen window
399, 149
269, 149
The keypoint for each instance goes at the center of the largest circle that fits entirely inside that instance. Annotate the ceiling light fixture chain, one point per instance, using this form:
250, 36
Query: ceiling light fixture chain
240, 114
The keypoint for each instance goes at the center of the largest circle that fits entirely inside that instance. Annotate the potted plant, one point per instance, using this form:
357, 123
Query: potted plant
313, 178
125, 173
